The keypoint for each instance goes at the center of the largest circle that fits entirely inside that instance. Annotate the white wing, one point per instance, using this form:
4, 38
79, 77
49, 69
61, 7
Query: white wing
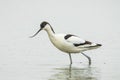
74, 39
78, 42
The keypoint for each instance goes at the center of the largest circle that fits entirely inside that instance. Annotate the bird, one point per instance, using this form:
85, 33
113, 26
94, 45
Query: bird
68, 43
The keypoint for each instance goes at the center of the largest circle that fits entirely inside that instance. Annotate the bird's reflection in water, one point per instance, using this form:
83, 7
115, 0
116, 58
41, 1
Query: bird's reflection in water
73, 73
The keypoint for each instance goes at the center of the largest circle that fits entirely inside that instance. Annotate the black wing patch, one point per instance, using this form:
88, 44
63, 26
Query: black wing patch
68, 36
86, 42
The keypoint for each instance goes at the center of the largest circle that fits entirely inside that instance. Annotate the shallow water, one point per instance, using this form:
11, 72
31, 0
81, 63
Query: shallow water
74, 73
33, 71
56, 67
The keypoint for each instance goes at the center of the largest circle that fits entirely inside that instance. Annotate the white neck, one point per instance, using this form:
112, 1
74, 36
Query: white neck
50, 31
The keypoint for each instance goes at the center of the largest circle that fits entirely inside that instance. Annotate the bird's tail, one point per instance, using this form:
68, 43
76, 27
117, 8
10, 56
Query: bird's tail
93, 46
90, 46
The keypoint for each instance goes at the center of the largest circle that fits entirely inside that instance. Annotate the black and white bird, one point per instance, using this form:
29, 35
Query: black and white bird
68, 43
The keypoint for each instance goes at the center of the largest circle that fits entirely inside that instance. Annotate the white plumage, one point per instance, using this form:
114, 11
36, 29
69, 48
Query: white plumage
67, 42
75, 40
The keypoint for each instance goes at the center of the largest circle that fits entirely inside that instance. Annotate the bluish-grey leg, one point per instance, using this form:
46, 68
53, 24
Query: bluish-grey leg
89, 59
70, 58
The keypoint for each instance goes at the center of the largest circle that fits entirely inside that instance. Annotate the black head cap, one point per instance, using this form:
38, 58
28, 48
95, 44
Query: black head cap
43, 24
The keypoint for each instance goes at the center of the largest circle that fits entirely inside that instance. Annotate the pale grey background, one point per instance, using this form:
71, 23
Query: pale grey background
23, 58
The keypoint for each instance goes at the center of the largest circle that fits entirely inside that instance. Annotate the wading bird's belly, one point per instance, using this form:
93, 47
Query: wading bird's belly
66, 47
